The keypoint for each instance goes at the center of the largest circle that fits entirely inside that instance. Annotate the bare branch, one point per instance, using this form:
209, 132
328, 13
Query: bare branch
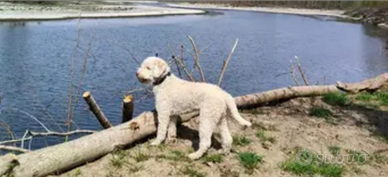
72, 74
37, 134
197, 58
132, 55
293, 74
8, 129
60, 133
83, 71
12, 148
301, 71
226, 63
27, 114
15, 140
182, 66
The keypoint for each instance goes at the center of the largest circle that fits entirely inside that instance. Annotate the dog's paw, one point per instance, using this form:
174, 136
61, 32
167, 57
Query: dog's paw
171, 140
247, 124
155, 143
194, 156
224, 151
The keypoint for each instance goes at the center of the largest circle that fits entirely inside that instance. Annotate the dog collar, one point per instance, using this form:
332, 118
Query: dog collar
160, 80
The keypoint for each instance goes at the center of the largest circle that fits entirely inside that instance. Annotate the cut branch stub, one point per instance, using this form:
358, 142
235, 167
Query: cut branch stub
96, 110
127, 107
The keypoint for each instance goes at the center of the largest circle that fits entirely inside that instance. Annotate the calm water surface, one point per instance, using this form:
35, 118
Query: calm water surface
35, 60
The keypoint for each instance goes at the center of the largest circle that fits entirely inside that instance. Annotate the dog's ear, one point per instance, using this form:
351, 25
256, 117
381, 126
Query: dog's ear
161, 67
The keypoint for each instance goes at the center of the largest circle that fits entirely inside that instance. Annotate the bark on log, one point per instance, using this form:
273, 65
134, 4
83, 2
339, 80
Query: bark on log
127, 107
96, 110
61, 157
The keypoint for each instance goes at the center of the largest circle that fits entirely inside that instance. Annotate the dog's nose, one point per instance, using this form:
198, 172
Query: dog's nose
137, 73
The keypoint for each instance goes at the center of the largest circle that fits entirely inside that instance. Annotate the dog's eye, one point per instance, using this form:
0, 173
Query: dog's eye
148, 67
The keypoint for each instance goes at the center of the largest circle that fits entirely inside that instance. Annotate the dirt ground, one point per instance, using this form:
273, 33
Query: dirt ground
278, 134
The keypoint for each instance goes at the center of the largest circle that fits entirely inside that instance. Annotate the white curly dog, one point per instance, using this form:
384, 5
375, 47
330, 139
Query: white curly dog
174, 96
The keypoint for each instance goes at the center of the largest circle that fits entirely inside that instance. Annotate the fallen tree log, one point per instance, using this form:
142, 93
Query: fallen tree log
315, 90
61, 157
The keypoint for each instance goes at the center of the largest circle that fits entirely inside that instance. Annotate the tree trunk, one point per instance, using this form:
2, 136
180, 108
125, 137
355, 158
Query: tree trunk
61, 157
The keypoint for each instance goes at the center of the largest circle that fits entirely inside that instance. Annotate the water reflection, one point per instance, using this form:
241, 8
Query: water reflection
19, 23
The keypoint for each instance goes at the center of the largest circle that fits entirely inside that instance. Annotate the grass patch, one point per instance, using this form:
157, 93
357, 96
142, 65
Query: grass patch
77, 172
192, 173
358, 157
365, 96
261, 134
241, 140
175, 156
334, 150
320, 112
316, 167
215, 158
140, 157
380, 159
134, 168
336, 99
118, 158
262, 126
381, 97
249, 160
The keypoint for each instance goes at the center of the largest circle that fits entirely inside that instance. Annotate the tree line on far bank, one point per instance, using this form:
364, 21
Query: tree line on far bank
293, 4
304, 4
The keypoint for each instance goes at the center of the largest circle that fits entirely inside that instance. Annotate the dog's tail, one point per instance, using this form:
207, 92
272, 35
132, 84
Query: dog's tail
234, 112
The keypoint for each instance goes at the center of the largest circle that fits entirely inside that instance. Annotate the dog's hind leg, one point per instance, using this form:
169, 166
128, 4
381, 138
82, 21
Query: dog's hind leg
208, 120
226, 138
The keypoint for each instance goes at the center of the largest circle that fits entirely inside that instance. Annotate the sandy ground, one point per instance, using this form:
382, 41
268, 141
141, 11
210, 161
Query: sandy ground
20, 11
332, 13
291, 128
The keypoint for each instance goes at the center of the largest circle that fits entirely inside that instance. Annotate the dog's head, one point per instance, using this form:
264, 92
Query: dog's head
152, 69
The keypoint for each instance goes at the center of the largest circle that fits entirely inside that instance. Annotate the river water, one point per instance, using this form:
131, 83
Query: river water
35, 60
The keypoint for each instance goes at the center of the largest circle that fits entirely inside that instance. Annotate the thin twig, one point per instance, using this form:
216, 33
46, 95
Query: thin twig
23, 139
177, 67
182, 66
15, 140
12, 148
180, 58
27, 114
72, 74
225, 65
133, 56
192, 55
37, 134
8, 129
197, 58
83, 71
324, 80
301, 71
293, 73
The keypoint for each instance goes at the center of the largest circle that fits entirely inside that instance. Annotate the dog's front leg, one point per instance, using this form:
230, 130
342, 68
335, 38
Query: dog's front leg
163, 121
171, 132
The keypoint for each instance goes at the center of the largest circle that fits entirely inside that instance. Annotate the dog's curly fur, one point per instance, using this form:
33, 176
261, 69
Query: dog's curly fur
174, 96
